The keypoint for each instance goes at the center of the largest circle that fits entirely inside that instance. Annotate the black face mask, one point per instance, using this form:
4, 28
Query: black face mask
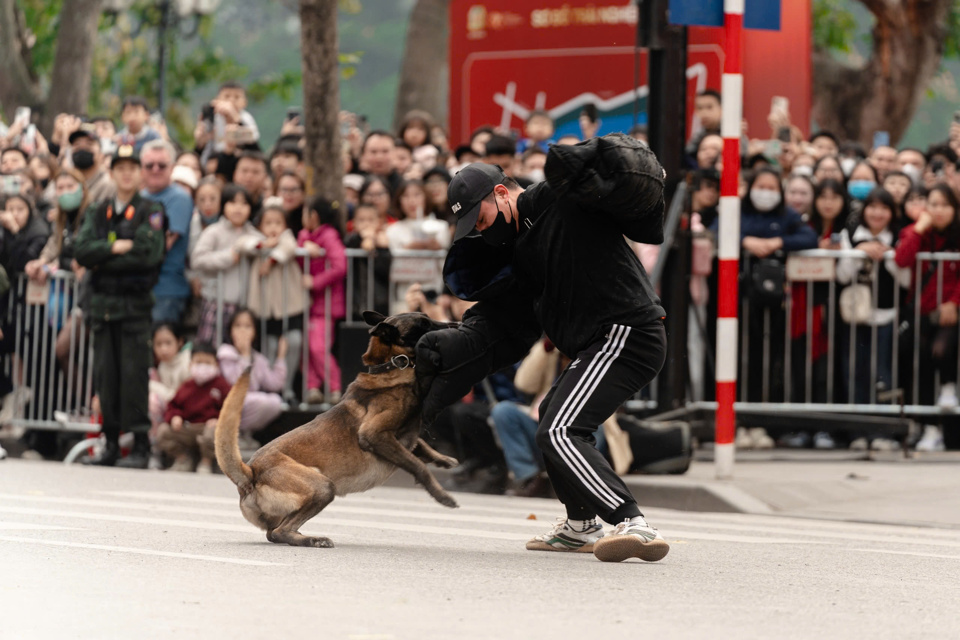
501, 233
82, 159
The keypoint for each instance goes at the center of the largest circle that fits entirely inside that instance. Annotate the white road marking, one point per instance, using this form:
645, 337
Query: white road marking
672, 526
365, 524
908, 553
29, 526
142, 552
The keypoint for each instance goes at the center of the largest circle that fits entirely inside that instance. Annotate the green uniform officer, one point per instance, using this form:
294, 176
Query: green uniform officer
121, 242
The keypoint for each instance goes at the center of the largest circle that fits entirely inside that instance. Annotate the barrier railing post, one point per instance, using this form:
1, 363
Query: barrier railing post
729, 242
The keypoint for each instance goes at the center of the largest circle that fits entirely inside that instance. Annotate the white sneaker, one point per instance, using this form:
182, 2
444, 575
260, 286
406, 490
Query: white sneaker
884, 444
631, 540
761, 439
743, 441
860, 444
932, 439
563, 538
3, 452
823, 440
948, 397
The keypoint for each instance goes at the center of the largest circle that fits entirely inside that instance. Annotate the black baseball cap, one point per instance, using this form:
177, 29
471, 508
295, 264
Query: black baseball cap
125, 153
467, 190
84, 131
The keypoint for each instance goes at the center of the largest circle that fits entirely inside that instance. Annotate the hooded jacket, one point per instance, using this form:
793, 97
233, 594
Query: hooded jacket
570, 273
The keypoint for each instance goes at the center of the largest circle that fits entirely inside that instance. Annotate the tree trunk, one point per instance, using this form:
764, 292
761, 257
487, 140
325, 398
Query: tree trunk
18, 86
423, 75
882, 95
319, 50
70, 79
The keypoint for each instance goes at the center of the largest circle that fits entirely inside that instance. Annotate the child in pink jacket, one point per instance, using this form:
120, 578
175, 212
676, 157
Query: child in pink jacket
322, 239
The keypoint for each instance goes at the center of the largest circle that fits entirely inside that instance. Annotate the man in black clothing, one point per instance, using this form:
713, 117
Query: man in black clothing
122, 243
552, 259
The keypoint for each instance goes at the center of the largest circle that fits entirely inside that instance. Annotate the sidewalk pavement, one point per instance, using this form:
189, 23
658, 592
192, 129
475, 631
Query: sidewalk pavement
923, 490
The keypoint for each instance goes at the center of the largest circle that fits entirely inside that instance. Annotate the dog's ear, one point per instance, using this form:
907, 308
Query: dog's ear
387, 333
373, 318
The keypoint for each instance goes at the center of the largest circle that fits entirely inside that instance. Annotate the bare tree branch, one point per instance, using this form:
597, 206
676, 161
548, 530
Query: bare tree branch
319, 50
884, 93
70, 79
17, 85
424, 70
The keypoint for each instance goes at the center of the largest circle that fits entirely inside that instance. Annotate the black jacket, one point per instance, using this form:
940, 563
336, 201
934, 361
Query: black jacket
570, 274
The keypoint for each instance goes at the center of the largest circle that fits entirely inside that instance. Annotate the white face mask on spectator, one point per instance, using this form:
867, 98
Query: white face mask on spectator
764, 199
803, 170
847, 165
913, 172
536, 175
203, 373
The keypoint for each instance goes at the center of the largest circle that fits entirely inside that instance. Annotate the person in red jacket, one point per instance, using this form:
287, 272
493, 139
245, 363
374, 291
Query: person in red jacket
191, 416
937, 229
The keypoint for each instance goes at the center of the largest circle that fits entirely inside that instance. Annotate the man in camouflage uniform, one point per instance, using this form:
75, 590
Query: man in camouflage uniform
122, 243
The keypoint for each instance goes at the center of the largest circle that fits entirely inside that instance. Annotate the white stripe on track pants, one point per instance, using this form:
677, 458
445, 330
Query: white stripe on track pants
598, 380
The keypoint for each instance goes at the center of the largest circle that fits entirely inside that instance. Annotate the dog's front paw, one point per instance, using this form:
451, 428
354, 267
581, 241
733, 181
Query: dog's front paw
447, 500
446, 462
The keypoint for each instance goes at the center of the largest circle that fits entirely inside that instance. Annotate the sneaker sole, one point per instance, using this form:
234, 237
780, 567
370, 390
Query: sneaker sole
536, 545
620, 548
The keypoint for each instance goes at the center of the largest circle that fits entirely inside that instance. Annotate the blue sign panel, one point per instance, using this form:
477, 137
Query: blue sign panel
757, 14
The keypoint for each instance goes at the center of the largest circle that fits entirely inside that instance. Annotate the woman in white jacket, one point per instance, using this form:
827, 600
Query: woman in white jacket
875, 235
217, 257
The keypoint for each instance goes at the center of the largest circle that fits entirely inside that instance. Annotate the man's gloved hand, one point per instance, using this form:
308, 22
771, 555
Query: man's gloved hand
449, 363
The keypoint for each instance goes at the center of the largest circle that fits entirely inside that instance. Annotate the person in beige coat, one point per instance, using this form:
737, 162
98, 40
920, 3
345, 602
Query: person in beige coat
217, 257
276, 292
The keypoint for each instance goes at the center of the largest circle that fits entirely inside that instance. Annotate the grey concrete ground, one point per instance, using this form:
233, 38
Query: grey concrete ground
105, 553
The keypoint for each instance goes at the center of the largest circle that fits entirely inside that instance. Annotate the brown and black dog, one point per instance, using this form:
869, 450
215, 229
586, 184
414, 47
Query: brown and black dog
353, 447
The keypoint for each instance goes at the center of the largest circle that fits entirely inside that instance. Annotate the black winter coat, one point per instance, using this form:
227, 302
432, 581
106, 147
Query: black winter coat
570, 274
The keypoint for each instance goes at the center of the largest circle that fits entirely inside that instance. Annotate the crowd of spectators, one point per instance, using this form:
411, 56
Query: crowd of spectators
823, 192
247, 252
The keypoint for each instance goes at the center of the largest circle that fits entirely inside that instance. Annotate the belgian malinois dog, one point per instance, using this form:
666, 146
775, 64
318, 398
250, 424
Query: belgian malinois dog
353, 447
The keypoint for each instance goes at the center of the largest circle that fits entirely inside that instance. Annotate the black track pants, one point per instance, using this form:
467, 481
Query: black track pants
598, 380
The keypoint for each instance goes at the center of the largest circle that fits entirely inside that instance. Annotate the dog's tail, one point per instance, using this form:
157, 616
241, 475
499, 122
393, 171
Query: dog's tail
225, 438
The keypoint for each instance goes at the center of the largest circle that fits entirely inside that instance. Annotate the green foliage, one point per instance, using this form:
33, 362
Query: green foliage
839, 24
834, 25
42, 17
951, 45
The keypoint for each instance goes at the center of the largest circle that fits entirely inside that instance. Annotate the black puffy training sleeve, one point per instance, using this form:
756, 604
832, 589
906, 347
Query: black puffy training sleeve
615, 175
451, 361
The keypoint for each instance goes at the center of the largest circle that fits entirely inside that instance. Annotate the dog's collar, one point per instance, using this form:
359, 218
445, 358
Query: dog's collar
396, 362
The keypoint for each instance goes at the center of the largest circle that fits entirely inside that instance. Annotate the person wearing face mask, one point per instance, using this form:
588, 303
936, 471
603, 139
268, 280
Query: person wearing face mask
552, 260
86, 157
191, 416
863, 179
768, 229
71, 201
57, 254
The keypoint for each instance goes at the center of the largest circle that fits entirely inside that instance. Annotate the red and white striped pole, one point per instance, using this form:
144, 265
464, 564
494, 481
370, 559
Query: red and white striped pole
729, 237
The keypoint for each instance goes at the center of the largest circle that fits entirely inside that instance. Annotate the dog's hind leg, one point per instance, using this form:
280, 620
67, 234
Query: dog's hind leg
428, 454
320, 492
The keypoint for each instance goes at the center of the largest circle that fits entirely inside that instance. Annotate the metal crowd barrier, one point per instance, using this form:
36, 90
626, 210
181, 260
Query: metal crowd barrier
52, 395
57, 395
793, 378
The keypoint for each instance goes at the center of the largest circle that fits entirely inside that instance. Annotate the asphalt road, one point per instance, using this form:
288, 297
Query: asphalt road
109, 553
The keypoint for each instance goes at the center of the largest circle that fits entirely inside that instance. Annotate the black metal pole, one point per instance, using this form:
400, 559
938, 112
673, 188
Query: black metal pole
162, 53
666, 109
